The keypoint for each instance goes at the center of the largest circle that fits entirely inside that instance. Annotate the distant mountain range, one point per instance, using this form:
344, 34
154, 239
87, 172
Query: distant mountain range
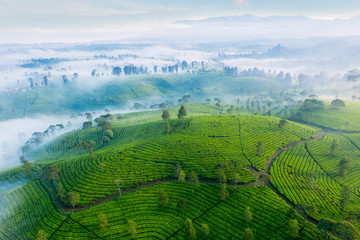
270, 27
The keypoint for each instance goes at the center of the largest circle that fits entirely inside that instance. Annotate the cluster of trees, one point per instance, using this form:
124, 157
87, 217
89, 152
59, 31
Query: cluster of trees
258, 104
38, 138
312, 105
104, 122
70, 199
185, 99
26, 167
341, 229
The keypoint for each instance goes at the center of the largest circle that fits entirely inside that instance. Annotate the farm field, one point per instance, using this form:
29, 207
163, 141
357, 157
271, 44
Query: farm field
152, 220
303, 180
201, 144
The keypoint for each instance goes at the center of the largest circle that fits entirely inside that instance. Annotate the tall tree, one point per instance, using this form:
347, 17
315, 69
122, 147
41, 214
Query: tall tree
345, 165
190, 233
181, 177
178, 168
259, 148
248, 215
132, 228
167, 127
165, 115
248, 234
293, 228
182, 112
223, 194
337, 103
60, 190
52, 173
72, 199
283, 122
334, 147
103, 222
41, 235
345, 197
194, 180
119, 183
205, 231
236, 179
27, 169
163, 198
221, 176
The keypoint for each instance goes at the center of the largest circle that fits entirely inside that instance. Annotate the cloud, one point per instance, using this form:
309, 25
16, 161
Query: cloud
241, 2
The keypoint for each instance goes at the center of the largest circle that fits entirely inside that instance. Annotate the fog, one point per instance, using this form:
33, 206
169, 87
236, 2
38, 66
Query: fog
319, 51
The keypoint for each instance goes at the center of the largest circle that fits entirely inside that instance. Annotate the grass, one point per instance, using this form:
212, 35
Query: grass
342, 119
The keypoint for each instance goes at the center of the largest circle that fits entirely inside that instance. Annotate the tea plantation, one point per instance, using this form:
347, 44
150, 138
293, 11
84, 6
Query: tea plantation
206, 176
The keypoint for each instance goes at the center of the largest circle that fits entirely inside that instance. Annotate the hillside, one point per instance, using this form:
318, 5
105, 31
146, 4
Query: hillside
338, 119
291, 176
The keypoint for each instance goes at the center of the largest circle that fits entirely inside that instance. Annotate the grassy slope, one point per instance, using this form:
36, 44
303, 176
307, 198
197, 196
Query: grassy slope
72, 98
346, 118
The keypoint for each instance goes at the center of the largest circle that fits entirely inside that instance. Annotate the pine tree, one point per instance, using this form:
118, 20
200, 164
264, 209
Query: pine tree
182, 112
165, 115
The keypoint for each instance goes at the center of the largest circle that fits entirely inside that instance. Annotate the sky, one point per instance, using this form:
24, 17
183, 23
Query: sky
90, 20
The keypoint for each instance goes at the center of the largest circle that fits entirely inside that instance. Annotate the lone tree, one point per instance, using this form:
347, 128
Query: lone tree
205, 231
190, 233
165, 115
248, 234
194, 180
181, 177
283, 122
223, 194
119, 183
236, 179
89, 145
60, 190
334, 147
167, 127
182, 112
293, 228
345, 165
163, 198
178, 168
103, 222
248, 215
337, 103
72, 199
221, 176
52, 173
346, 196
41, 235
132, 228
87, 124
259, 148
27, 169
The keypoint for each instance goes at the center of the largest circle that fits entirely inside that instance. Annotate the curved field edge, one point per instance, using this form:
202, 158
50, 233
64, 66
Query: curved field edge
153, 221
204, 145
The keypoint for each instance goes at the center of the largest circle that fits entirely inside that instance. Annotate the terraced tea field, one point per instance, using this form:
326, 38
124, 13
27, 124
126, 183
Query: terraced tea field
144, 157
